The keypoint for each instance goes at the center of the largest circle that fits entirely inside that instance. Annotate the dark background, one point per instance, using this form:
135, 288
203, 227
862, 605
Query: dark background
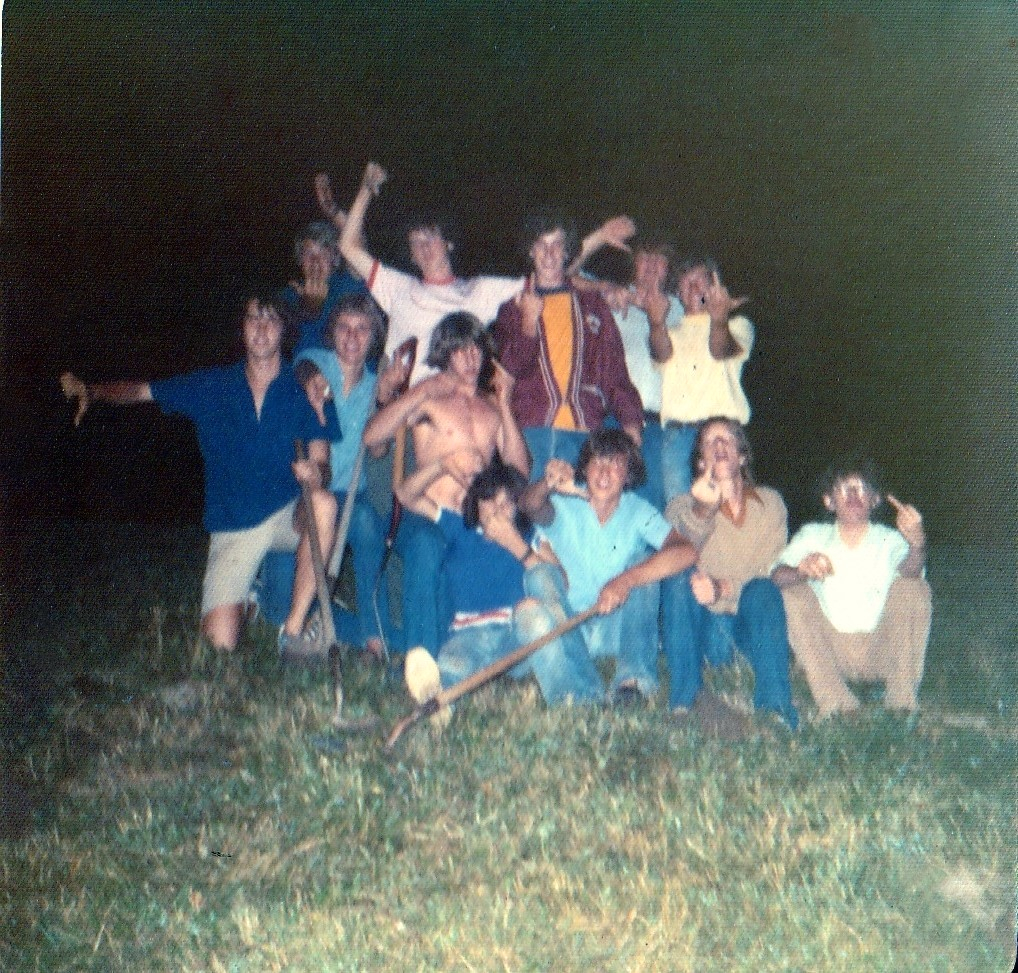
851, 165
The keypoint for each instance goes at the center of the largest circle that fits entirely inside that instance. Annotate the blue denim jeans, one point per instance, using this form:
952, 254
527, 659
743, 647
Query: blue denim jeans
652, 448
563, 669
427, 609
545, 444
677, 442
629, 634
693, 635
367, 543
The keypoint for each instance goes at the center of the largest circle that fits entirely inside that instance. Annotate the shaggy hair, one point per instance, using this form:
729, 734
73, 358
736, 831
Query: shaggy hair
741, 444
363, 304
612, 442
455, 331
494, 477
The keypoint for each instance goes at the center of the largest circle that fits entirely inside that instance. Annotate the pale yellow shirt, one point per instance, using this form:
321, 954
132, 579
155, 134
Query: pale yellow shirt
694, 385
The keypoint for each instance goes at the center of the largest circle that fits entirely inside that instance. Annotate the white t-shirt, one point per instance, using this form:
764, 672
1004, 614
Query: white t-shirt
853, 596
695, 385
414, 307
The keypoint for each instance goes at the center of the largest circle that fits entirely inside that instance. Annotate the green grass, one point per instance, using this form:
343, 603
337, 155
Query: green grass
186, 820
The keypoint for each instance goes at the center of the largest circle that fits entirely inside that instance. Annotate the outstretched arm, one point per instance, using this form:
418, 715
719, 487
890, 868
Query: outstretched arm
116, 393
351, 239
675, 555
559, 477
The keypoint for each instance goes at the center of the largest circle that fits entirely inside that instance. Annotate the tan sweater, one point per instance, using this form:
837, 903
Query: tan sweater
738, 553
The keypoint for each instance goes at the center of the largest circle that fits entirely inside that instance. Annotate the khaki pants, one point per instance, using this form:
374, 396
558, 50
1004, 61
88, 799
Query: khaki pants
894, 653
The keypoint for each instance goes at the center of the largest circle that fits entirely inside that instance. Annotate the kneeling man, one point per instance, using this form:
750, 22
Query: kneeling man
857, 604
247, 416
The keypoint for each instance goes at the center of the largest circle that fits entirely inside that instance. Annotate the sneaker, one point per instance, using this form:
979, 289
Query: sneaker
424, 682
304, 649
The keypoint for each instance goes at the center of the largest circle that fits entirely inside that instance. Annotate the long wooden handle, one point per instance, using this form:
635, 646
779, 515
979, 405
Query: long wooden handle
489, 672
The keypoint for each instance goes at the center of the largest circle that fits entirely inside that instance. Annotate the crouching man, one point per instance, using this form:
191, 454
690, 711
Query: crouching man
857, 604
727, 601
247, 416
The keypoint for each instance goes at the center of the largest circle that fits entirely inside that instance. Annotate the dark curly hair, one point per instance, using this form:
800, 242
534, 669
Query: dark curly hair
612, 442
485, 486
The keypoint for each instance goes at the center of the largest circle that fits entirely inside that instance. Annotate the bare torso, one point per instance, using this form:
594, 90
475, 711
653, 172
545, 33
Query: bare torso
454, 423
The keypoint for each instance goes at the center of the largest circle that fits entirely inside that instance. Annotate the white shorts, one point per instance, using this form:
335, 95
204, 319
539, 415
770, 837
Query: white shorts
235, 556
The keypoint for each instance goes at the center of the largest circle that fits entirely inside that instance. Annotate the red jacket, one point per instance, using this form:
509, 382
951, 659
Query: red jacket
599, 383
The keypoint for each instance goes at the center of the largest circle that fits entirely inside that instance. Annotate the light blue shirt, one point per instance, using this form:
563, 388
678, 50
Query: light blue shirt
353, 410
593, 553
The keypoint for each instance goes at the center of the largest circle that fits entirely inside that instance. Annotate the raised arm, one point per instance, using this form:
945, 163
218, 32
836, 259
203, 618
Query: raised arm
327, 202
559, 477
910, 526
720, 305
116, 393
351, 239
614, 232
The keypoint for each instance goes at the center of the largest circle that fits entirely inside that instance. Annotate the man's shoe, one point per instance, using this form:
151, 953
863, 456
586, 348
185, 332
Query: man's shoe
627, 696
305, 649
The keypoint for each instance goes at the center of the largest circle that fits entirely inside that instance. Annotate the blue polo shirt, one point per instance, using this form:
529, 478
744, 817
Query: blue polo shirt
247, 458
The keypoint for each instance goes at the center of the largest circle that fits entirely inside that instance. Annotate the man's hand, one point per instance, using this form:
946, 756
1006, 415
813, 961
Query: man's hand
531, 304
815, 566
704, 588
463, 465
613, 595
502, 385
318, 392
307, 472
74, 388
706, 489
616, 232
503, 532
373, 178
718, 303
560, 477
327, 202
635, 433
909, 522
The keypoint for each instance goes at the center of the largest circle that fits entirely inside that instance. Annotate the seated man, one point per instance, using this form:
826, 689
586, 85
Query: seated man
323, 282
701, 360
564, 351
857, 604
247, 417
491, 565
451, 412
613, 547
727, 601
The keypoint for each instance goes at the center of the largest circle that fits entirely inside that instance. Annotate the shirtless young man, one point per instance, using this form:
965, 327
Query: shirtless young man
450, 412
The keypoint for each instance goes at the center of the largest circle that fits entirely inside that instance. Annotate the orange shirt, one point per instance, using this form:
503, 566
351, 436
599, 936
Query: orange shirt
557, 320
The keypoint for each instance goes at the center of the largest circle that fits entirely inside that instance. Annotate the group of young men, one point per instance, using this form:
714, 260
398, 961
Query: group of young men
623, 409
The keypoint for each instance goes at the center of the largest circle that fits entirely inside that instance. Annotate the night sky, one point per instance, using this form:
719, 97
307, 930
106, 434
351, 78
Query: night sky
850, 165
